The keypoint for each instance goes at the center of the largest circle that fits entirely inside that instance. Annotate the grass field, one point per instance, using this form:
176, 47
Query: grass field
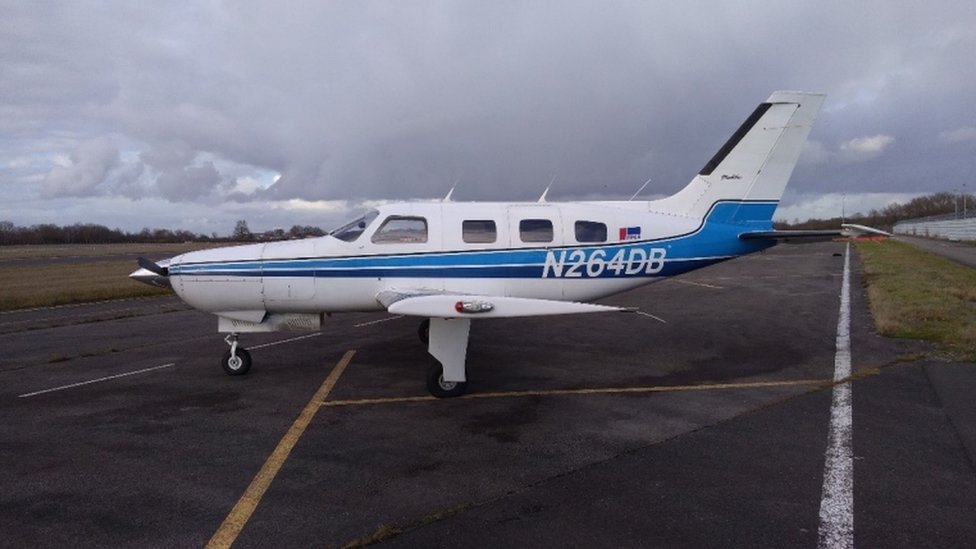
918, 295
45, 276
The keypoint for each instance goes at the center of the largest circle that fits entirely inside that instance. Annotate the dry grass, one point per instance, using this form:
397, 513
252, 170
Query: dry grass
919, 295
99, 250
31, 286
88, 277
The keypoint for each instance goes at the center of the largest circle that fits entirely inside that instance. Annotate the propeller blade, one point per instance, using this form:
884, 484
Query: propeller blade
152, 267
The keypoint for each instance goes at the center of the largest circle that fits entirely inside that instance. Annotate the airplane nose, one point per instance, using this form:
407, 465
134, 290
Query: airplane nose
154, 274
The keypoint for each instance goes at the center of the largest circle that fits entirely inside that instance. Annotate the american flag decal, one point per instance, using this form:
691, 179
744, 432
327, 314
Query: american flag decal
630, 233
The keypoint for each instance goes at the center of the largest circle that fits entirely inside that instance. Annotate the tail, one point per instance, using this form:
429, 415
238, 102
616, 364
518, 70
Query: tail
754, 165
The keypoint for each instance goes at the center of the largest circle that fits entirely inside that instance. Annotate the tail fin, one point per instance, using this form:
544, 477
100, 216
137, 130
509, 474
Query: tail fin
755, 164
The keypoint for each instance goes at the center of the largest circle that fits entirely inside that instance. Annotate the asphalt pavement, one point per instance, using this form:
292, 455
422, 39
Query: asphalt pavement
703, 421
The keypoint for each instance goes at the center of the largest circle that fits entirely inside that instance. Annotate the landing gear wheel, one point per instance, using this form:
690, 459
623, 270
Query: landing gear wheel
423, 331
440, 388
236, 365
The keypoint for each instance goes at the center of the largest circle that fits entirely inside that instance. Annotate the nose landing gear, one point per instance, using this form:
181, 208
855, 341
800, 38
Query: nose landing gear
236, 361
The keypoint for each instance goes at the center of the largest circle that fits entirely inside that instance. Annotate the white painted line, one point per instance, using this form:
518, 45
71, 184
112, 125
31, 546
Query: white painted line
649, 315
837, 500
283, 341
702, 284
370, 323
89, 382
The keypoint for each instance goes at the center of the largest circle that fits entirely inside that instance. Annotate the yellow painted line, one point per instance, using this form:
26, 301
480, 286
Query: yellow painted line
598, 391
242, 511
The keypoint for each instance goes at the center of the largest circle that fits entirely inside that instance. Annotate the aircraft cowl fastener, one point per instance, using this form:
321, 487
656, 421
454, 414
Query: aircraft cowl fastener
473, 307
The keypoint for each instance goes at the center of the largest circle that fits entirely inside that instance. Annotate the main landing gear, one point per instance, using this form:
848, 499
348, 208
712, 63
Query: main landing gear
440, 388
447, 343
236, 361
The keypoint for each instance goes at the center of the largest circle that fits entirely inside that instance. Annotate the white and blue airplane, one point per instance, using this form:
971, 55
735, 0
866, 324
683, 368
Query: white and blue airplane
450, 262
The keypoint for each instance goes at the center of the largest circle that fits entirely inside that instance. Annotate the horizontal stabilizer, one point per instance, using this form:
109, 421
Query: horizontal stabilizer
480, 306
792, 236
853, 229
847, 230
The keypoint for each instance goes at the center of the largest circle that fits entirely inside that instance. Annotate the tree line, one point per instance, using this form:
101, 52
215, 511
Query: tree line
885, 218
91, 233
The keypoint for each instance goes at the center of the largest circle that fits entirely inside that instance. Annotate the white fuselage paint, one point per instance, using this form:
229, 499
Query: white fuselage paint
837, 501
312, 276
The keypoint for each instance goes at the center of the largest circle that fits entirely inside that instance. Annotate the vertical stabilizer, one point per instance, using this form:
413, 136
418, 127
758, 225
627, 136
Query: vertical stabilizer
755, 164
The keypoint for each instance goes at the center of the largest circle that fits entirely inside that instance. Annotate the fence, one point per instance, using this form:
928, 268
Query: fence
957, 226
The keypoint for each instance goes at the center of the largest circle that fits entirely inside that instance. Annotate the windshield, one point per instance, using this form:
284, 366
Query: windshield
351, 231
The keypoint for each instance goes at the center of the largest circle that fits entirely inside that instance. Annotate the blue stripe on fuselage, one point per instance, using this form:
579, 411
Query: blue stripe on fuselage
715, 240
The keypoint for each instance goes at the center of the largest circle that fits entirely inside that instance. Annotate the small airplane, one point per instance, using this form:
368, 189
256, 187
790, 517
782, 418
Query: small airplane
450, 262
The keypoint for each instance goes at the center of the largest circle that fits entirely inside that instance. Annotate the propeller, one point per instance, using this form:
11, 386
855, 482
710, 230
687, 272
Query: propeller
152, 266
151, 273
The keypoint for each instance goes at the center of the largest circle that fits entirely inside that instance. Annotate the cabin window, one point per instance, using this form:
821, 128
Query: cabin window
399, 229
535, 230
351, 231
591, 231
478, 231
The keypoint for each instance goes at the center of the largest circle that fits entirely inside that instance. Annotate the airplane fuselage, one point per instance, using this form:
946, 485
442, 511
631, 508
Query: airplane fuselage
578, 251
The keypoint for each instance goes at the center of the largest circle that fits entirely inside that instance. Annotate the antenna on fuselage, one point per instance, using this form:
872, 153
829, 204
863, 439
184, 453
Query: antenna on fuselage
447, 197
545, 192
639, 190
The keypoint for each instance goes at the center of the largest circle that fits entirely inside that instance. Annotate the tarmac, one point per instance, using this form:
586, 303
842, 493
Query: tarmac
960, 252
706, 421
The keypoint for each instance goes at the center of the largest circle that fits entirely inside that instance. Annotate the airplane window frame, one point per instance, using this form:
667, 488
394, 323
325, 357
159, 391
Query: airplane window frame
383, 236
589, 232
541, 229
485, 233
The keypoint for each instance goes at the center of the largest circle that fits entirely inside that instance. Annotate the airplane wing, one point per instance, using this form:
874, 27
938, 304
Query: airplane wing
847, 230
431, 304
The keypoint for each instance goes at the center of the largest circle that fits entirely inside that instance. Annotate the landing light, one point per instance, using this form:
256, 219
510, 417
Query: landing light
473, 306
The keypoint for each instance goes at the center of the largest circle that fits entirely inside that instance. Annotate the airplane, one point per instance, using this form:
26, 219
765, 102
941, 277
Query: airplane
451, 262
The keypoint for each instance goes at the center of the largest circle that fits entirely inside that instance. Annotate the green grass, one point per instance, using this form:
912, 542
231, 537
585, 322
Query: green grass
919, 295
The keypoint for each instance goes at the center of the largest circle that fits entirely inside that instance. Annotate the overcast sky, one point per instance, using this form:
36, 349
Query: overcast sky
191, 115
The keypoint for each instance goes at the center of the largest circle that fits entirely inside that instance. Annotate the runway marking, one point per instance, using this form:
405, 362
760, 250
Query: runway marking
649, 315
837, 500
597, 391
237, 518
371, 322
702, 284
99, 380
283, 341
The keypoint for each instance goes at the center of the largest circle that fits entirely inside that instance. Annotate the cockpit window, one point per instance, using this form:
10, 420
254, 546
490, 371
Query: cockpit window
402, 230
351, 231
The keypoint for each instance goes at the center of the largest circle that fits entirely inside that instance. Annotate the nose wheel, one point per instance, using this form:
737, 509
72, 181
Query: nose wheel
236, 361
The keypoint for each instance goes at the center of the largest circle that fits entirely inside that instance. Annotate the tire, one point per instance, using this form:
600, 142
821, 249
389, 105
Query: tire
440, 388
237, 367
423, 331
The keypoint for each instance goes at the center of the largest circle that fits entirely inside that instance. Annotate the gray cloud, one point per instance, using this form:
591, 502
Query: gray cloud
360, 100
90, 165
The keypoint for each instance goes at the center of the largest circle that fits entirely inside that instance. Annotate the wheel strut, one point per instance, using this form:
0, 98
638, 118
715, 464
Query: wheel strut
236, 361
232, 339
